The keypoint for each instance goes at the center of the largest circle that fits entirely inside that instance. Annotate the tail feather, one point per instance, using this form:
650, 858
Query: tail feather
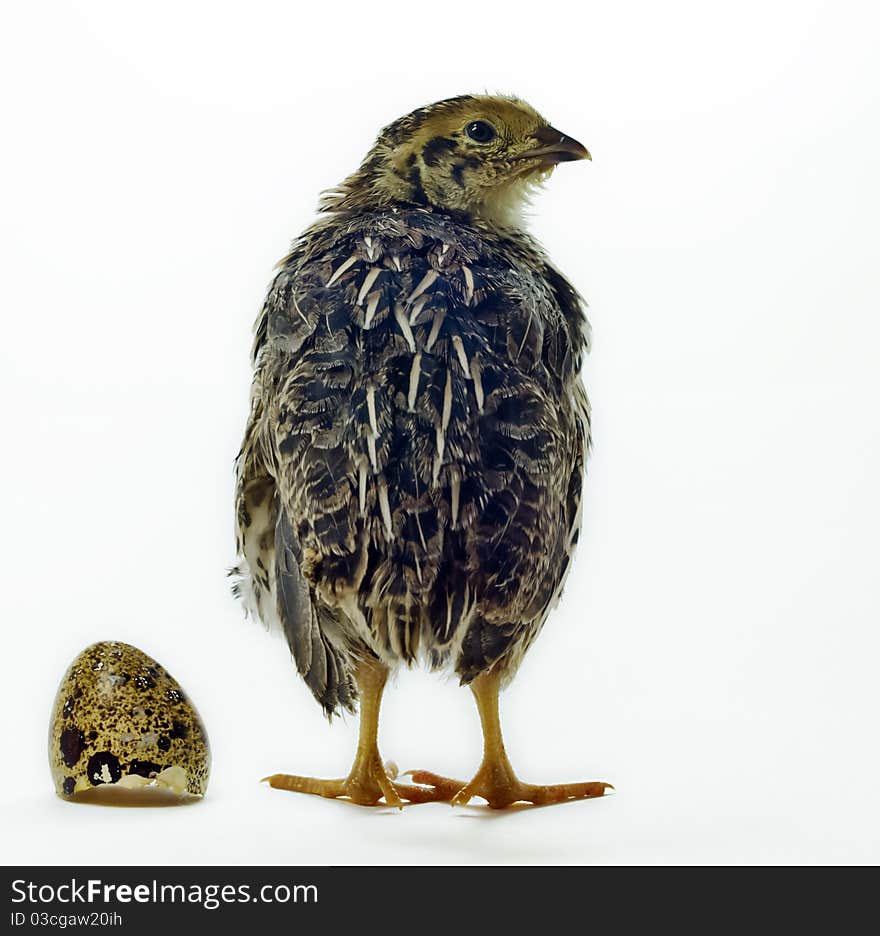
324, 667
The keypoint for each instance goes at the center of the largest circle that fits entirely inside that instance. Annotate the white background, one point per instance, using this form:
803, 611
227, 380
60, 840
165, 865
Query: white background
715, 654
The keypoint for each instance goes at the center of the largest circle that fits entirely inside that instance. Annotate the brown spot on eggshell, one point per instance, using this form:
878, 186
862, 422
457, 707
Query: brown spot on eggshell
131, 727
71, 744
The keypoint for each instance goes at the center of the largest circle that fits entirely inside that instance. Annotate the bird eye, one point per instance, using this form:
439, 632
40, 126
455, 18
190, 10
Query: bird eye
480, 131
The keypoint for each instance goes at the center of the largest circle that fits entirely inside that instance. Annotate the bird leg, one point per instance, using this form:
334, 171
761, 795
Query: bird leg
368, 780
495, 780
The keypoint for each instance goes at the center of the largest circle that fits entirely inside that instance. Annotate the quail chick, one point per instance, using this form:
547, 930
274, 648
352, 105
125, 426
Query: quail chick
409, 485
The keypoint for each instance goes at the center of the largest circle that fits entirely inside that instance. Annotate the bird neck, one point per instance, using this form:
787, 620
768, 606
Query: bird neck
385, 178
391, 178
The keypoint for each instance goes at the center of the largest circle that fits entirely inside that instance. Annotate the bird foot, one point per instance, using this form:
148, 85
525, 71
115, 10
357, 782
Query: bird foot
500, 787
369, 782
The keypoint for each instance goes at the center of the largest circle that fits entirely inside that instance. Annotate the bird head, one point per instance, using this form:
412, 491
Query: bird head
481, 156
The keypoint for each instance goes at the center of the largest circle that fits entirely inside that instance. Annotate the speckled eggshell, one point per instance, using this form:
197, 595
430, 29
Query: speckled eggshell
120, 718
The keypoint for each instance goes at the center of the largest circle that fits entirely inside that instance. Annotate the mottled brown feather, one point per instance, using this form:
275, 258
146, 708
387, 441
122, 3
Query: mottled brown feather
410, 480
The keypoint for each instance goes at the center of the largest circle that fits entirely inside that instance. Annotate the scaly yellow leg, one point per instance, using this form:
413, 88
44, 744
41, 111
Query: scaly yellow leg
369, 780
495, 780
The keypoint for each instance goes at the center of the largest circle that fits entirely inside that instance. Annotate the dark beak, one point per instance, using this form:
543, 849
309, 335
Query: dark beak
555, 147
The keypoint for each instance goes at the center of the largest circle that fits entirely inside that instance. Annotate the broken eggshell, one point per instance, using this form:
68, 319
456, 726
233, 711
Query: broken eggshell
120, 720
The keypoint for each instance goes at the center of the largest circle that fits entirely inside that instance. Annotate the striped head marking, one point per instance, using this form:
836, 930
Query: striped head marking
478, 155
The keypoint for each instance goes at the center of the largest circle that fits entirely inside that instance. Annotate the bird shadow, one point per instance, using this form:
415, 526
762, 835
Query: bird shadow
480, 812
485, 812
